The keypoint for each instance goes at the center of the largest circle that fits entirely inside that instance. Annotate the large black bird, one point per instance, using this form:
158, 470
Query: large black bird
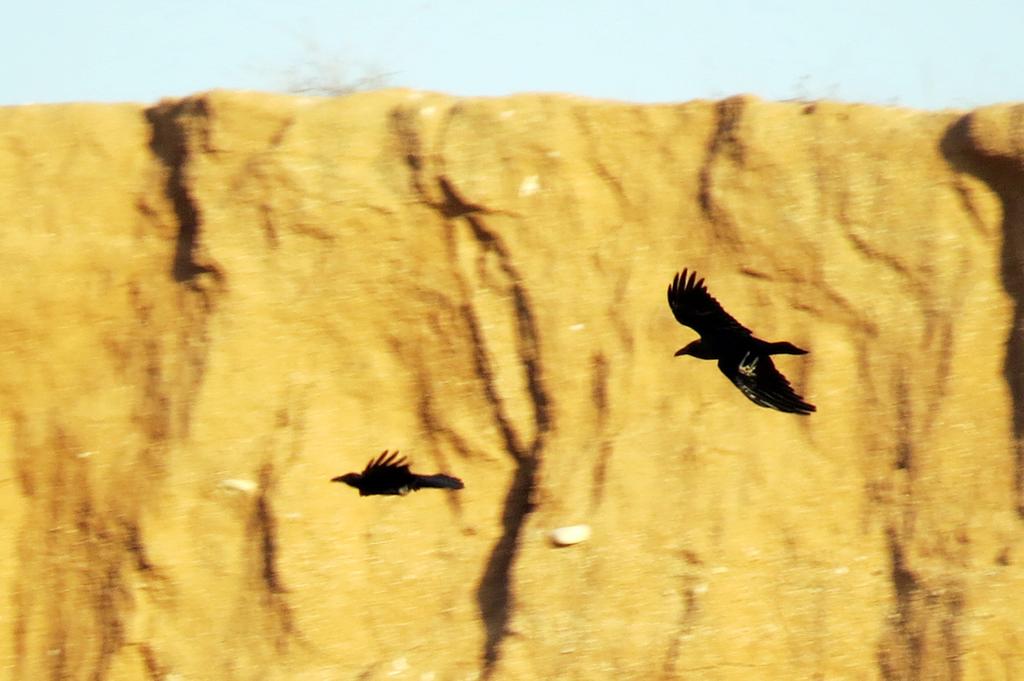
742, 357
390, 474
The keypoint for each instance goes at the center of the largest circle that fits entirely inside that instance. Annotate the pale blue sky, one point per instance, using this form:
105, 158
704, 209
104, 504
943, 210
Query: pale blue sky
934, 54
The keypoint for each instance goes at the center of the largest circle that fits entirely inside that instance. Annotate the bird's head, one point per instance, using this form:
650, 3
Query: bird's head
350, 479
692, 348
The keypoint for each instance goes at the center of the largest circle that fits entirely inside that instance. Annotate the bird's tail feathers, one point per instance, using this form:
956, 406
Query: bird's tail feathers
439, 481
784, 348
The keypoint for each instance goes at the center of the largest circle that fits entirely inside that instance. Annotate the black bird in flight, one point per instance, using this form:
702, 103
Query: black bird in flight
390, 474
742, 357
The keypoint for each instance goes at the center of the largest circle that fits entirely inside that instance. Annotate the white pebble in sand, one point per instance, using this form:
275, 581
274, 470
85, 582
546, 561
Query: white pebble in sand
569, 535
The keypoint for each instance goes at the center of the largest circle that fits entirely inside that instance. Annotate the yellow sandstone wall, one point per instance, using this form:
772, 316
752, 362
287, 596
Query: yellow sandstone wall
212, 306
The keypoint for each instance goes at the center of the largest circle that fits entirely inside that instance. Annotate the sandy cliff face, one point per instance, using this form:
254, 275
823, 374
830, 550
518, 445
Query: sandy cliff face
213, 306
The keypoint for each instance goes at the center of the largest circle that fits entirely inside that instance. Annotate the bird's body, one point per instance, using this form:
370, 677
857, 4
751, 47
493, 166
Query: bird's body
389, 474
743, 358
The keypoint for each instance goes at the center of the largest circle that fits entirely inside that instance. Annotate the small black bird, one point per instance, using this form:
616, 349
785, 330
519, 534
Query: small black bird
743, 358
390, 474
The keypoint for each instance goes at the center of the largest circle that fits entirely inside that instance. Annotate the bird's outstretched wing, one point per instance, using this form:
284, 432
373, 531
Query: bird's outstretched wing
386, 460
386, 468
693, 306
758, 379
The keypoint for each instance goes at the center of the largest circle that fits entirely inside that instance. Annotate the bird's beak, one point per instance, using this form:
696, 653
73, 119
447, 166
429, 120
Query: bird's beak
680, 351
340, 478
